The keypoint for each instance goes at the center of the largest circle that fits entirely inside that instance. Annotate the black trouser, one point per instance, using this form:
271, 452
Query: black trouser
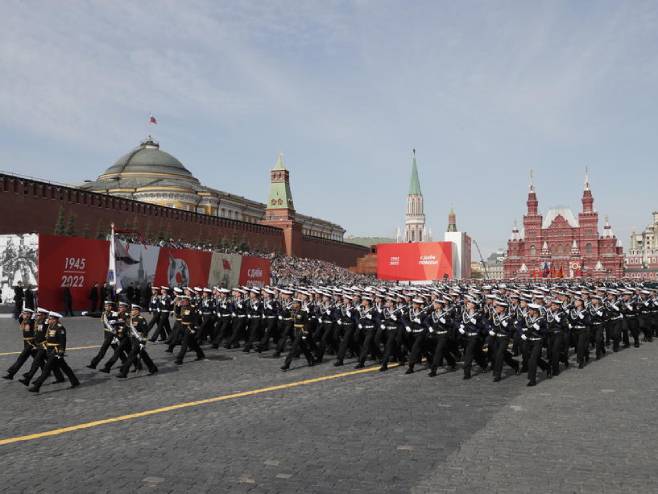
533, 348
556, 353
442, 349
164, 328
348, 341
176, 336
239, 323
582, 344
155, 321
391, 339
137, 351
189, 341
613, 332
416, 341
107, 342
285, 333
597, 336
634, 329
253, 332
28, 351
38, 362
301, 344
269, 328
207, 325
473, 351
120, 351
500, 354
222, 328
645, 326
369, 346
55, 361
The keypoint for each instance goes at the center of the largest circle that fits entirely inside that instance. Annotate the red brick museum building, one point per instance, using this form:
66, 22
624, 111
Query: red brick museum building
561, 245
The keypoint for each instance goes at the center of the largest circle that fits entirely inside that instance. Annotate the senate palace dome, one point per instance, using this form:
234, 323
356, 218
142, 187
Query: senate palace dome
152, 175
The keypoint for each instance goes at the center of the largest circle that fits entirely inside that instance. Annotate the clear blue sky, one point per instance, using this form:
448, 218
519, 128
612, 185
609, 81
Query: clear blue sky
483, 90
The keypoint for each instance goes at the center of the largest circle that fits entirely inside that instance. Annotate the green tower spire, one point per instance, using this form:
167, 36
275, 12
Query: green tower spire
280, 196
414, 185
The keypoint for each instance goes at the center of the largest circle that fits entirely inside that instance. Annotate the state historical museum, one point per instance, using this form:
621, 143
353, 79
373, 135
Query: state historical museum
559, 245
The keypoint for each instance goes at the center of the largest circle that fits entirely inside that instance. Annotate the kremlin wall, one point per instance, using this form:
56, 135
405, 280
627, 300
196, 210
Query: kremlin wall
151, 192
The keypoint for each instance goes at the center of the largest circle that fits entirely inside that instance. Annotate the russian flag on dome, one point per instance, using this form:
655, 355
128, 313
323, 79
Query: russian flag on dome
152, 120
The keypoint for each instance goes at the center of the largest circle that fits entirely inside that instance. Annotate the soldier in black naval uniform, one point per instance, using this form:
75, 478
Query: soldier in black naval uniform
439, 324
239, 319
189, 318
26, 324
501, 331
347, 320
630, 324
164, 308
416, 332
534, 332
579, 318
254, 320
154, 306
177, 333
613, 328
207, 311
222, 317
368, 325
390, 326
472, 326
108, 318
122, 340
137, 332
40, 352
557, 330
599, 319
270, 319
302, 341
56, 347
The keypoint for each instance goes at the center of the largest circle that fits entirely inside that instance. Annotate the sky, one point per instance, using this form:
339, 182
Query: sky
484, 91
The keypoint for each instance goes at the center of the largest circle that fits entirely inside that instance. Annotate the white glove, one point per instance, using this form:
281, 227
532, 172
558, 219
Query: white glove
536, 326
599, 313
505, 323
491, 333
394, 318
382, 326
349, 313
233, 314
431, 330
320, 320
473, 321
240, 306
581, 316
328, 312
524, 337
408, 329
248, 316
442, 320
280, 318
557, 318
368, 316
417, 320
461, 329
360, 326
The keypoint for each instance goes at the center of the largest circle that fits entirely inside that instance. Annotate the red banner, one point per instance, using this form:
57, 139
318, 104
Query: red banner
426, 261
70, 263
182, 267
255, 271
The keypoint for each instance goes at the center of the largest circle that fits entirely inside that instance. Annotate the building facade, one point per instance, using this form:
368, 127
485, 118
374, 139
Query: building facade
641, 261
149, 174
563, 245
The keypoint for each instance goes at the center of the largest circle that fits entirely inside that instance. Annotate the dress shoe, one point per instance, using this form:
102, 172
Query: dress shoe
496, 379
409, 371
153, 371
91, 366
74, 385
24, 381
359, 366
284, 368
33, 389
338, 363
122, 376
531, 383
106, 371
9, 377
432, 373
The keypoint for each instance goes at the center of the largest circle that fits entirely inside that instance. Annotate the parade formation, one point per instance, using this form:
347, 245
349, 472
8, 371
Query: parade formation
521, 326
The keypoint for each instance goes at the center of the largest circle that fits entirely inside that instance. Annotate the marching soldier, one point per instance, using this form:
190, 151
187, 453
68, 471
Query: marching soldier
138, 332
26, 324
40, 351
154, 309
207, 310
108, 319
579, 319
472, 326
254, 319
501, 331
56, 347
164, 308
368, 324
557, 330
121, 339
270, 319
440, 326
222, 316
302, 341
534, 331
416, 332
188, 321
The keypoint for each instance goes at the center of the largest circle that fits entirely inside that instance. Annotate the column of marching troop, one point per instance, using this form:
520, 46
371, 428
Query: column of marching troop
523, 326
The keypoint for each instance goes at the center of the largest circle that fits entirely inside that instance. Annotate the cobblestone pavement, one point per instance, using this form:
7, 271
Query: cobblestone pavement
590, 430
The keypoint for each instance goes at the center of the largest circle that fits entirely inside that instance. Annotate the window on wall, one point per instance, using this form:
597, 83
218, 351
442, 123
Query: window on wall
413, 236
533, 250
588, 248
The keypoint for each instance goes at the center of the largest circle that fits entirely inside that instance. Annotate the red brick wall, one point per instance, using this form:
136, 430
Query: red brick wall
32, 206
342, 253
